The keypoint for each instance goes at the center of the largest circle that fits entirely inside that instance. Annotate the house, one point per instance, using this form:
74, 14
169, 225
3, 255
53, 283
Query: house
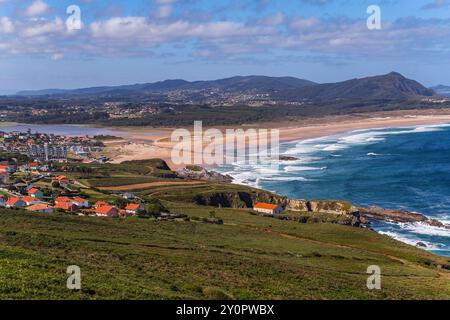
67, 206
100, 204
62, 199
40, 207
36, 193
21, 186
15, 202
62, 180
129, 196
268, 208
29, 200
107, 211
133, 208
80, 202
33, 166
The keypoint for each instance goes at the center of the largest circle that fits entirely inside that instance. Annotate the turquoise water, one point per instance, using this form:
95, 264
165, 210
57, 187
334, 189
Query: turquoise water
396, 168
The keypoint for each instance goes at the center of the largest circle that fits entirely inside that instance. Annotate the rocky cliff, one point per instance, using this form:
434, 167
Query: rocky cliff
200, 173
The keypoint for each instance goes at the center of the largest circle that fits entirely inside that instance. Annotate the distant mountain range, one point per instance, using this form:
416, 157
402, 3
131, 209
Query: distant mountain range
391, 86
442, 90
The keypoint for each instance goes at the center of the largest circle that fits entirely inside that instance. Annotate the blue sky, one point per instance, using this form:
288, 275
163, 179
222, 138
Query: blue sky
131, 41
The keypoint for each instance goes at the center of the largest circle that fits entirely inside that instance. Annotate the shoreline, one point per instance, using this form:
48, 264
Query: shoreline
146, 143
141, 143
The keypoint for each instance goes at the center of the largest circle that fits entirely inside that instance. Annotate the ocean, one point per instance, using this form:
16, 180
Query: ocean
396, 168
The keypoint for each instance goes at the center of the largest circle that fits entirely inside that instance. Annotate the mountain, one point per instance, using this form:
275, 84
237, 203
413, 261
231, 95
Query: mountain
392, 86
234, 84
442, 90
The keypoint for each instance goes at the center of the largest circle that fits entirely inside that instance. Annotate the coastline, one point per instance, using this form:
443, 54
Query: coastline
145, 143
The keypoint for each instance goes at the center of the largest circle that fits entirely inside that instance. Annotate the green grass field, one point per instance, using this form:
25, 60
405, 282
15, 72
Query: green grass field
248, 257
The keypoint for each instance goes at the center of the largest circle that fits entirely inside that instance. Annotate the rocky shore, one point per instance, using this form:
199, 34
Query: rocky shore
398, 216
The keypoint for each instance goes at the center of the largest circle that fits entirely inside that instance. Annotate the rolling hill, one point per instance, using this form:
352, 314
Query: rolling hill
392, 86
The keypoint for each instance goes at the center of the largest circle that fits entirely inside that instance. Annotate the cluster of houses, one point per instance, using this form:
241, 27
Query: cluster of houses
48, 147
34, 201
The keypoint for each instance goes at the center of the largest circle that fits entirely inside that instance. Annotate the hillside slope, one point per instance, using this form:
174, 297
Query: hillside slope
248, 257
392, 86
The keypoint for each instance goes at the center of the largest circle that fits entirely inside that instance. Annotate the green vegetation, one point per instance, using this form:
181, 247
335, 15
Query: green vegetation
248, 257
111, 175
204, 242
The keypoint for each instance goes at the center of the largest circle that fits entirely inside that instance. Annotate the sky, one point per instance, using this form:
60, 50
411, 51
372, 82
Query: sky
136, 41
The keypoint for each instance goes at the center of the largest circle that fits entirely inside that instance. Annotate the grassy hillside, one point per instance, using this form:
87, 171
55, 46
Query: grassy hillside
209, 252
248, 257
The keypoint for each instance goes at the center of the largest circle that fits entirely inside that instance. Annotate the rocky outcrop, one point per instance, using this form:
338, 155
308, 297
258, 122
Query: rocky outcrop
321, 206
287, 158
377, 213
199, 173
238, 199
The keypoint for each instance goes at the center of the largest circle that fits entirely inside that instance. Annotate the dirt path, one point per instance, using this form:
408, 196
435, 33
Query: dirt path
149, 185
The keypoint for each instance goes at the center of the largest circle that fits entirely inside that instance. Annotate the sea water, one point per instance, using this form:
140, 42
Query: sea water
395, 168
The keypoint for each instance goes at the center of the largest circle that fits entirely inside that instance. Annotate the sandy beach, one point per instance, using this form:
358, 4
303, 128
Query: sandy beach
147, 143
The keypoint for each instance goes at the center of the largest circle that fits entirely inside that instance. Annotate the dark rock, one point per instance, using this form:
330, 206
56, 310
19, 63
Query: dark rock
421, 244
287, 158
377, 213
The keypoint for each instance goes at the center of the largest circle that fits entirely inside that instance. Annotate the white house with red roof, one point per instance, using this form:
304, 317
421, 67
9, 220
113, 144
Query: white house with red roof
107, 211
268, 208
133, 208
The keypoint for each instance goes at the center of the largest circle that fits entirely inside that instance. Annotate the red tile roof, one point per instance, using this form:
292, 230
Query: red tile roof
33, 191
61, 178
66, 206
38, 207
29, 199
12, 201
266, 206
133, 206
63, 199
105, 209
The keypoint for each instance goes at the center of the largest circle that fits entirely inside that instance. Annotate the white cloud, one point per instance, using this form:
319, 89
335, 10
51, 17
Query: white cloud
37, 8
6, 25
44, 27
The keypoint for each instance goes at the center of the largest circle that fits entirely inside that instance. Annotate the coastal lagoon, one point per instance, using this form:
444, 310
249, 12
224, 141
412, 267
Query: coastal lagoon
58, 129
395, 168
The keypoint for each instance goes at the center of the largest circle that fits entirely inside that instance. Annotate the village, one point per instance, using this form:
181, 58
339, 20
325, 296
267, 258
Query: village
28, 177
38, 173
29, 196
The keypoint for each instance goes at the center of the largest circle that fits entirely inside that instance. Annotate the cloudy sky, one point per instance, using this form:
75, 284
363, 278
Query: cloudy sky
130, 41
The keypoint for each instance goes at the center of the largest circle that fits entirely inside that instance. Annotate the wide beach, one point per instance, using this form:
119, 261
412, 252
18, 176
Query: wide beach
145, 143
